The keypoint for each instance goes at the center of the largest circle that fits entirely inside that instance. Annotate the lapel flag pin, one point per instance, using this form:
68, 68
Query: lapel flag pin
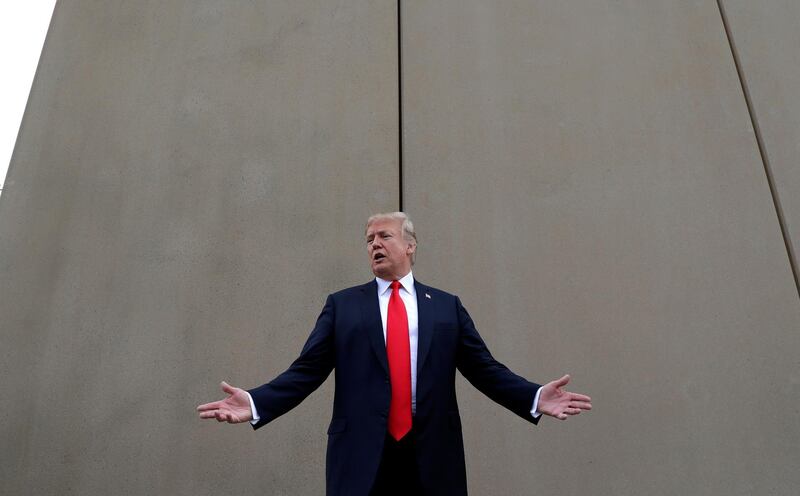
427, 296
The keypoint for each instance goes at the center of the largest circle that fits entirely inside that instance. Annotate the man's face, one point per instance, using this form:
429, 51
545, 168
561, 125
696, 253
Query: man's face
389, 253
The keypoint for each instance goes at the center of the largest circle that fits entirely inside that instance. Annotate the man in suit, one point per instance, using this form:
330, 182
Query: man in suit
394, 345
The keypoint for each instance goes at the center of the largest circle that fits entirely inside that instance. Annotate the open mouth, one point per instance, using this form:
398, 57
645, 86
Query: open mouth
378, 257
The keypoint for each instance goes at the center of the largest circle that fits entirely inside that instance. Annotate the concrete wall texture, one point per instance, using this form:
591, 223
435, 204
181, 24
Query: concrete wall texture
610, 186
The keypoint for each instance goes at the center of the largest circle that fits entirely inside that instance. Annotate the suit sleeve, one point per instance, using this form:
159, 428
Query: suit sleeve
304, 376
489, 376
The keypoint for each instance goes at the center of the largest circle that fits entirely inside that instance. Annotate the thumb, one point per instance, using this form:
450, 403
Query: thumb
227, 388
563, 381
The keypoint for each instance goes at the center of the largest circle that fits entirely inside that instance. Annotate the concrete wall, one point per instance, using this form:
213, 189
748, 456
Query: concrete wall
190, 181
767, 43
587, 178
191, 178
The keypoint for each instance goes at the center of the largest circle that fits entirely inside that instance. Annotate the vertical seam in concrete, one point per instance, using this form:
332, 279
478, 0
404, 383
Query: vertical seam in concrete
400, 108
762, 149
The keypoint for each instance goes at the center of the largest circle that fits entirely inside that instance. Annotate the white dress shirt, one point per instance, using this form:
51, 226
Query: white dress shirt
409, 296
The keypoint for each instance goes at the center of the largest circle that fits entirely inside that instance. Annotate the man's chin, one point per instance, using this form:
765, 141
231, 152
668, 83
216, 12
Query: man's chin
380, 270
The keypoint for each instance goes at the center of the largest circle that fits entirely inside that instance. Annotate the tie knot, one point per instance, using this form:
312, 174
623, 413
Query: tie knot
395, 285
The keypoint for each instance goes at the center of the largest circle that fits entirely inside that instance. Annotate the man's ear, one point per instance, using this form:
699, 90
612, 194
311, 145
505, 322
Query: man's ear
411, 248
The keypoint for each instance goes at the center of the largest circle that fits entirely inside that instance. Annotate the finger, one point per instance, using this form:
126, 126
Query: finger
572, 411
561, 416
580, 404
579, 397
208, 415
214, 405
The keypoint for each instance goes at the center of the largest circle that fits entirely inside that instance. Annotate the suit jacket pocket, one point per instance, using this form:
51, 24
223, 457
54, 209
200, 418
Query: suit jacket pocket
337, 425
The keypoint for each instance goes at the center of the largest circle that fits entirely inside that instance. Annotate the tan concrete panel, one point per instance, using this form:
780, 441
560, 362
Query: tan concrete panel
585, 175
190, 181
767, 40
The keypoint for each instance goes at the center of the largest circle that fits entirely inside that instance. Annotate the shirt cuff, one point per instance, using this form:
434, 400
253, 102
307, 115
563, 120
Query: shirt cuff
535, 413
256, 418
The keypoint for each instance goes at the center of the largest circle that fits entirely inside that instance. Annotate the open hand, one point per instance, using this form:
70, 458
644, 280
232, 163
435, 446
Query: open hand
556, 402
234, 409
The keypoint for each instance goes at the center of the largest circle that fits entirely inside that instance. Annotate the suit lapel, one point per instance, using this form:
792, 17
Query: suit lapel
371, 315
424, 324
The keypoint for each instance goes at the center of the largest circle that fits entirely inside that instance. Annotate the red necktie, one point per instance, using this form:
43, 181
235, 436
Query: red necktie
398, 351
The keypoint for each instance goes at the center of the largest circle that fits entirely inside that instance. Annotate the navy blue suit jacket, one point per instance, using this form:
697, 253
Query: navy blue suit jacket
348, 338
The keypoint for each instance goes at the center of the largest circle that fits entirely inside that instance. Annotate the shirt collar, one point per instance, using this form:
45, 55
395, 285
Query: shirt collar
407, 282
